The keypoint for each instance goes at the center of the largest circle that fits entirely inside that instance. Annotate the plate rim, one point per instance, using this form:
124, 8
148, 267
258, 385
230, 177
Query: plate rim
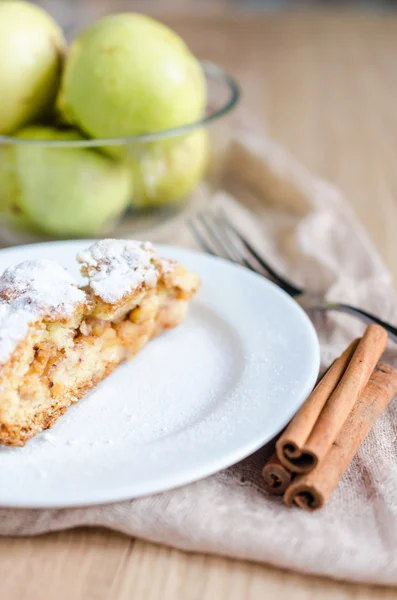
107, 495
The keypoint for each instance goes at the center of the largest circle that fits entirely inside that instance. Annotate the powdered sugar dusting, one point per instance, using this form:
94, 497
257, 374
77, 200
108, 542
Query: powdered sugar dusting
166, 265
115, 268
14, 324
29, 292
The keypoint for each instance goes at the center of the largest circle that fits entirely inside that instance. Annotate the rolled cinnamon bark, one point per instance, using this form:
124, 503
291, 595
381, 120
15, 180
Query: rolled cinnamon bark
311, 433
276, 477
312, 490
290, 444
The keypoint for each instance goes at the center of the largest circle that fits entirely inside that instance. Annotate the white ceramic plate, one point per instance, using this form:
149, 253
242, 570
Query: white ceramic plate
195, 400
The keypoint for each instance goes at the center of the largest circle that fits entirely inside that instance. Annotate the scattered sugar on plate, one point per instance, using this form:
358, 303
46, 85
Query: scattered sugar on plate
151, 397
46, 436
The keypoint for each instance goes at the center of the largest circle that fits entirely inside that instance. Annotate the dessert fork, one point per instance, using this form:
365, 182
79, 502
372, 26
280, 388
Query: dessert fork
218, 236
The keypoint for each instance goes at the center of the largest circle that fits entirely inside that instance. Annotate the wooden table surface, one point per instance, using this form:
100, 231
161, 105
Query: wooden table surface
325, 86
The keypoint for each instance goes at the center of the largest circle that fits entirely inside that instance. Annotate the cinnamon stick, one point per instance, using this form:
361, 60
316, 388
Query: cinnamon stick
311, 491
276, 477
311, 433
290, 444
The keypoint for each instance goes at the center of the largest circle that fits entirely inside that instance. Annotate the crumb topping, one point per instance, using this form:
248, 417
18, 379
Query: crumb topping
30, 291
116, 268
42, 289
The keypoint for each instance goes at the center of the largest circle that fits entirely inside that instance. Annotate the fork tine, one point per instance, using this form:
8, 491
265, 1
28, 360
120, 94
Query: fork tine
227, 248
218, 234
214, 236
289, 287
199, 237
211, 233
239, 255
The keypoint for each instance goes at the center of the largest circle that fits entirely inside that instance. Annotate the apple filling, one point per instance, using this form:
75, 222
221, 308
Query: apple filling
59, 362
58, 340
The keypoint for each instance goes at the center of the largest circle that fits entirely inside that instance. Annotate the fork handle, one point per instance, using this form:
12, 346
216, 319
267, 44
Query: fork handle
359, 313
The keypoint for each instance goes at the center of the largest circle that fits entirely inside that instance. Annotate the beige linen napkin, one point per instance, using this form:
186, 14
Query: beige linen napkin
307, 229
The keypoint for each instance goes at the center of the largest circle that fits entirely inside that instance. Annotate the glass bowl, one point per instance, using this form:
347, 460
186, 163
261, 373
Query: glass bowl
119, 187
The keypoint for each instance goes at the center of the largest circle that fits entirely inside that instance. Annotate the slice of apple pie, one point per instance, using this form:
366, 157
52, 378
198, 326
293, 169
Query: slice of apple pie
58, 340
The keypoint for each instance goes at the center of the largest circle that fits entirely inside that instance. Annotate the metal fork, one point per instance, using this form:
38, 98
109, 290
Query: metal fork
218, 236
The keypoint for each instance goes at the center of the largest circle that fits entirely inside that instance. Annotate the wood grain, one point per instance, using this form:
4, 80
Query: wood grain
325, 86
100, 565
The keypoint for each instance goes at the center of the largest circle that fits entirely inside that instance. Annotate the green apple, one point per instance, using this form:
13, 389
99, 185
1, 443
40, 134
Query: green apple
11, 214
61, 191
31, 54
168, 170
127, 75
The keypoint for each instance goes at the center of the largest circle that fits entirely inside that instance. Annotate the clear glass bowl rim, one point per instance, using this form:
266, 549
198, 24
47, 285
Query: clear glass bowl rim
210, 70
